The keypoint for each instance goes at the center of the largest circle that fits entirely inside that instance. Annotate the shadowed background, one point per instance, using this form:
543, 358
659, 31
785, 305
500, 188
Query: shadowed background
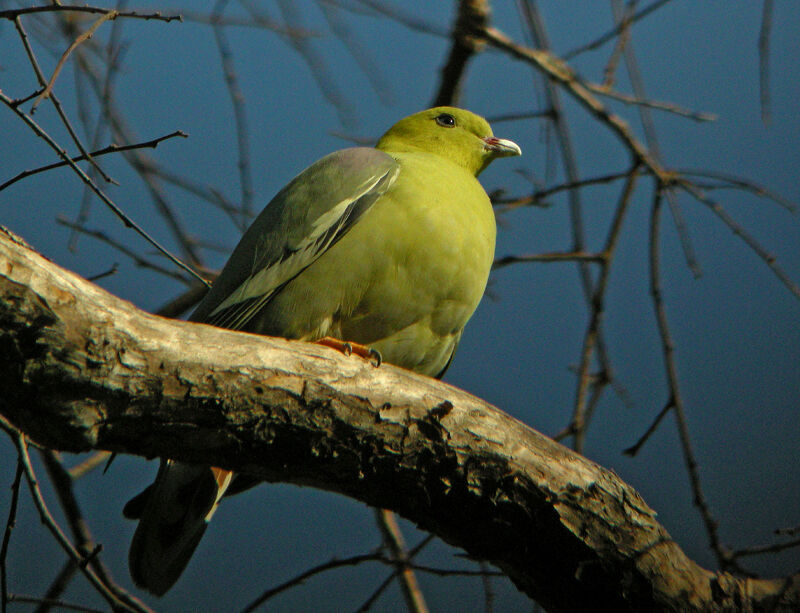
735, 327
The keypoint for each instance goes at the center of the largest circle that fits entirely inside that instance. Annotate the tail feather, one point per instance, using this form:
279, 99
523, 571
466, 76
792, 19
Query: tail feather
173, 518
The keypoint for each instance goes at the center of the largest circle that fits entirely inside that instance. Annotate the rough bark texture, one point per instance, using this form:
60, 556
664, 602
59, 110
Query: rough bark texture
81, 369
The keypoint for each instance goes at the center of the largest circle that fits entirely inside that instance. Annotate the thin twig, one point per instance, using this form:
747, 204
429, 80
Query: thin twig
113, 52
88, 465
488, 589
137, 259
46, 603
471, 17
10, 524
555, 256
240, 117
409, 17
634, 449
65, 56
55, 530
651, 138
53, 8
610, 71
607, 36
676, 400
57, 586
367, 604
86, 179
762, 549
372, 70
100, 152
292, 14
535, 25
763, 59
301, 578
658, 105
456, 572
55, 100
536, 198
769, 259
62, 486
393, 539
592, 335
733, 182
139, 161
560, 72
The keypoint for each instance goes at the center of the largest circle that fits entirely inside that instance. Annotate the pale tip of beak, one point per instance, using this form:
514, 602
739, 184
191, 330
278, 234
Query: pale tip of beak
502, 147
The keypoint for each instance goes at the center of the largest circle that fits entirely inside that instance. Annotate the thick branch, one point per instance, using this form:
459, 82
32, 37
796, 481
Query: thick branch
81, 369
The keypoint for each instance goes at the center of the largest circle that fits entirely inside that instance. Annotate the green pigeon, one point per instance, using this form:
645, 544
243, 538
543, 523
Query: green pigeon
386, 248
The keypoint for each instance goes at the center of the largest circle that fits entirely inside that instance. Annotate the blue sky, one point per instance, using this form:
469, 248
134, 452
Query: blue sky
736, 327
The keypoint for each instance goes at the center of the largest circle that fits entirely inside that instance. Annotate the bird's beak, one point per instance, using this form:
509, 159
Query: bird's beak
501, 147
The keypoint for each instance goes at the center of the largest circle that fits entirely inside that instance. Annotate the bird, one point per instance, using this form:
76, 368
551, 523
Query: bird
386, 249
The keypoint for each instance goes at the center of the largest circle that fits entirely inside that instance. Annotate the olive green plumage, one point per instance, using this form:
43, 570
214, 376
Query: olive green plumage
387, 247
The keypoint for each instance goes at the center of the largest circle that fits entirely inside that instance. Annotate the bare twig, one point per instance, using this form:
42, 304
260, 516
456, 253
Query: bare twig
601, 40
410, 18
676, 400
113, 51
570, 256
763, 59
762, 549
651, 139
65, 56
57, 586
393, 538
301, 578
363, 57
62, 486
537, 197
367, 604
729, 181
240, 117
10, 524
139, 161
85, 178
53, 8
592, 335
54, 99
55, 530
316, 64
472, 16
769, 259
46, 603
658, 105
536, 27
89, 464
185, 301
560, 72
100, 152
137, 259
634, 449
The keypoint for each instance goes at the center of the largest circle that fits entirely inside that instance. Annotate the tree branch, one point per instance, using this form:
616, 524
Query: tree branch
81, 369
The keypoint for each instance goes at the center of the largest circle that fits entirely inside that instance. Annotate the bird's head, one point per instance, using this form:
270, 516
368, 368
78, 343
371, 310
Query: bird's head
458, 135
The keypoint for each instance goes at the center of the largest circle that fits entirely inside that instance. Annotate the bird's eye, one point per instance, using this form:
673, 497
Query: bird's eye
446, 120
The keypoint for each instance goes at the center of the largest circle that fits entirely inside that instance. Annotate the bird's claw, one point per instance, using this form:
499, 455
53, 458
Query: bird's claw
348, 348
376, 355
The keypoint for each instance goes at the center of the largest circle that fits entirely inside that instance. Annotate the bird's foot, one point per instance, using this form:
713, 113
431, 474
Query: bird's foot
346, 347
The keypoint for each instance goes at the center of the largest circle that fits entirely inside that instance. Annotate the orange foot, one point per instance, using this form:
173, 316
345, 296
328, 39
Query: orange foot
368, 353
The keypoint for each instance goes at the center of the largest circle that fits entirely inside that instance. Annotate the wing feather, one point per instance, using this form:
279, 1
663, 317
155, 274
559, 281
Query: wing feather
301, 223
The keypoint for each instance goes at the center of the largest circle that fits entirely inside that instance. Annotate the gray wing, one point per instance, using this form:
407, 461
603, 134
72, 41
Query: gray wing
302, 221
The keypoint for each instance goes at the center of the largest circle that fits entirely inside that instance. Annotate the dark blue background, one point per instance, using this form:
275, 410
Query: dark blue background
736, 328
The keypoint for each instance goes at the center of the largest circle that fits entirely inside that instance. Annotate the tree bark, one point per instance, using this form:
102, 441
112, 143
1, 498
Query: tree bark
81, 369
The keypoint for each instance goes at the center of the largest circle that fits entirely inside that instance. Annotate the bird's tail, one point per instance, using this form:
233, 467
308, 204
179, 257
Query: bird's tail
173, 514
